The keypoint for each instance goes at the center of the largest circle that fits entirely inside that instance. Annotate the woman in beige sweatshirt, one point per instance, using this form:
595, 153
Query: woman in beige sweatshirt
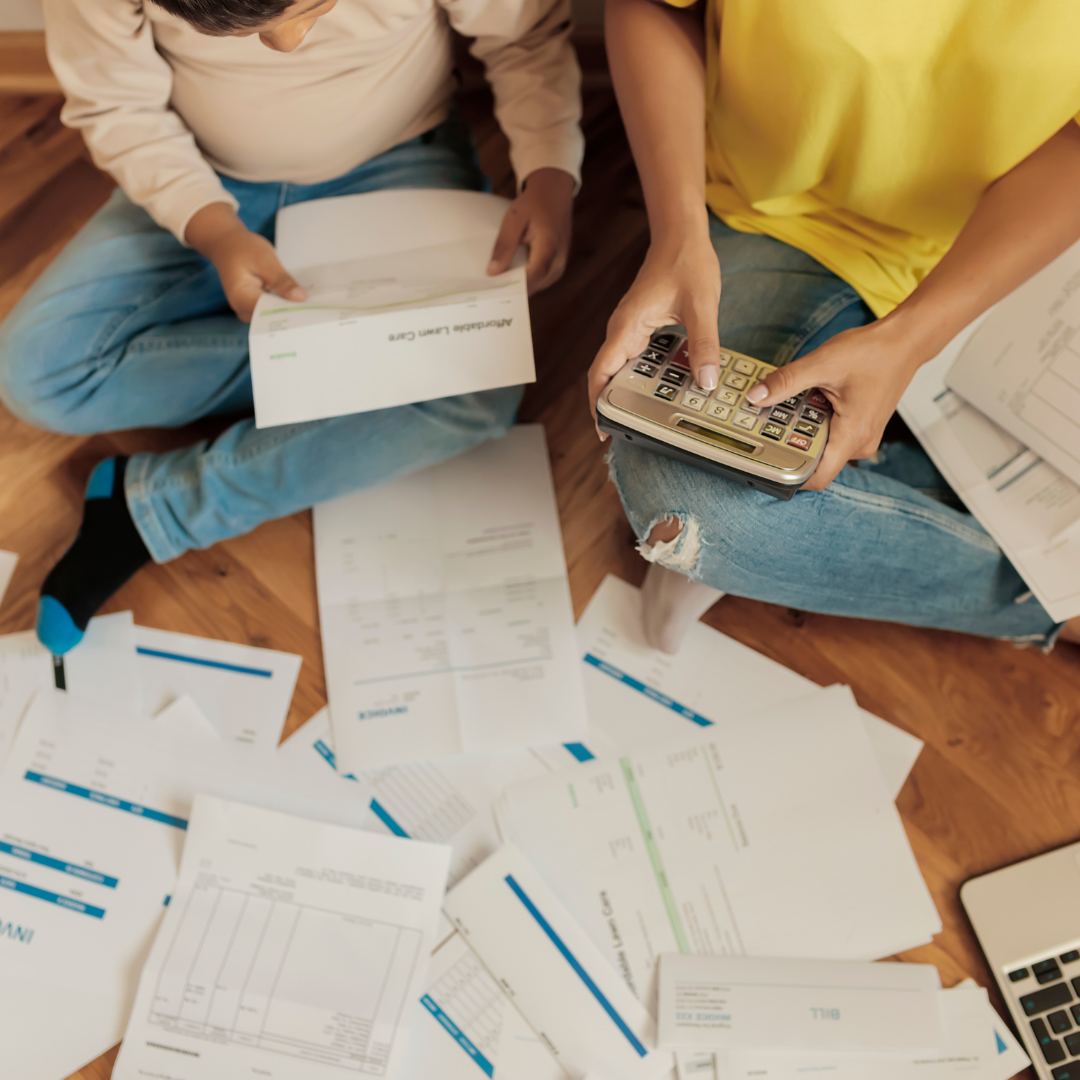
212, 114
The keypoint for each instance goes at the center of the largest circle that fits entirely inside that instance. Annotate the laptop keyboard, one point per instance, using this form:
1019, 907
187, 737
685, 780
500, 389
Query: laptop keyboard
1049, 994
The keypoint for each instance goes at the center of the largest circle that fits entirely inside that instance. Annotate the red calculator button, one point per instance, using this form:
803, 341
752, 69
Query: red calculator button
817, 399
800, 442
681, 356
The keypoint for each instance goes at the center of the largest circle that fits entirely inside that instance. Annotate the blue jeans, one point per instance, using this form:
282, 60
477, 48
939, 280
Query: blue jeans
128, 328
878, 543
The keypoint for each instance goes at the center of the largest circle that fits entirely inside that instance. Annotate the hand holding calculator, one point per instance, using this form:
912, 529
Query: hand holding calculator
654, 402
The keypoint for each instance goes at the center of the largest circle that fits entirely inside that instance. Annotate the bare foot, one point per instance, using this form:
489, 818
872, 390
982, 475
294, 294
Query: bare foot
1071, 631
671, 604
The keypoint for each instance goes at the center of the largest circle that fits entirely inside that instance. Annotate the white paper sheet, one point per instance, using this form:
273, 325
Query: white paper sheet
468, 1027
775, 837
101, 669
445, 801
761, 1003
93, 811
638, 696
1030, 509
291, 948
977, 1045
447, 625
8, 559
244, 692
399, 307
559, 981
1021, 367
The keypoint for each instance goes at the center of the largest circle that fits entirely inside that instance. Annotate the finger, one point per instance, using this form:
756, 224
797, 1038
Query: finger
511, 233
786, 381
839, 450
703, 342
280, 282
243, 296
539, 269
616, 350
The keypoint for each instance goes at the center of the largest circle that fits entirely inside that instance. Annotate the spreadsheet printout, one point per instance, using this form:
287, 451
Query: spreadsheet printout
1021, 366
291, 948
445, 610
775, 837
1030, 508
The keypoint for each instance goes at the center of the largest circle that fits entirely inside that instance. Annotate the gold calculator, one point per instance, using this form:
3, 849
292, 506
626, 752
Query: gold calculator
654, 402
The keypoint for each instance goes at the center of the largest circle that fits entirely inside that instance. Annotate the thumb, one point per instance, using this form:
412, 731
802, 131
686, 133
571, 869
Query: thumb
785, 382
283, 284
507, 242
703, 343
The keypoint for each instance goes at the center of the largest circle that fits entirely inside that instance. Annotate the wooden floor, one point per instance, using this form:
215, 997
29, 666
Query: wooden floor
1000, 776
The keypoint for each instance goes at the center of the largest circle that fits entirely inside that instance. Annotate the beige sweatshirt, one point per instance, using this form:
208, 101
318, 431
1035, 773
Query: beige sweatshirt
162, 106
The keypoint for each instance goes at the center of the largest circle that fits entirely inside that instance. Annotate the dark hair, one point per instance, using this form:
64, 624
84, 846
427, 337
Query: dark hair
225, 16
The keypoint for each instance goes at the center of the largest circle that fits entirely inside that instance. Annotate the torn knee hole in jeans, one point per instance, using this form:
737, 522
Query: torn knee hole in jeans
680, 550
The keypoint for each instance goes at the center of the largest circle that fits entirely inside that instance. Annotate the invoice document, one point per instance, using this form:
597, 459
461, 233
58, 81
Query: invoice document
638, 696
103, 669
1021, 366
244, 692
399, 306
1027, 506
769, 1003
770, 837
556, 977
445, 609
468, 1028
291, 949
978, 1045
444, 801
8, 559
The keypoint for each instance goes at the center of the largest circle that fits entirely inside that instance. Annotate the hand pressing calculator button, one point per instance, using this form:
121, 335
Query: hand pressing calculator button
773, 449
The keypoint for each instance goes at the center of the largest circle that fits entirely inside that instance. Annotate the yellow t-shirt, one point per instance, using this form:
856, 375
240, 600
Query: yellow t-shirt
865, 131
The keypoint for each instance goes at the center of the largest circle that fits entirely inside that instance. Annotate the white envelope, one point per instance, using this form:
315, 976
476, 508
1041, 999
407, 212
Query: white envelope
732, 1002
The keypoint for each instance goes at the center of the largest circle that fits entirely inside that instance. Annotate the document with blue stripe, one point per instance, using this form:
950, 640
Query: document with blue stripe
560, 982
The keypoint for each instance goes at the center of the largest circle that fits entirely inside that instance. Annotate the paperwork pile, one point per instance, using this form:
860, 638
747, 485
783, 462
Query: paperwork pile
590, 804
1003, 392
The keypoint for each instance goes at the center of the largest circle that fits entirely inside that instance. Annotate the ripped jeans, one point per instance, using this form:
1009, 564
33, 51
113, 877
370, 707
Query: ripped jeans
878, 543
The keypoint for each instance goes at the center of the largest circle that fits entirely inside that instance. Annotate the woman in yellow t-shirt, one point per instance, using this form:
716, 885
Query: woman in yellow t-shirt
864, 178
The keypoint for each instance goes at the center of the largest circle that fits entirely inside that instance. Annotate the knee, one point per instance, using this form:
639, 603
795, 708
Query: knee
28, 362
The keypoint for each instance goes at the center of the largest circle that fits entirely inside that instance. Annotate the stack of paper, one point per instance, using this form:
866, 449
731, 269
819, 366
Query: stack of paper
1002, 393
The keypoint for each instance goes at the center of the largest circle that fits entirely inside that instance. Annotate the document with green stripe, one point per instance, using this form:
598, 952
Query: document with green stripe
768, 835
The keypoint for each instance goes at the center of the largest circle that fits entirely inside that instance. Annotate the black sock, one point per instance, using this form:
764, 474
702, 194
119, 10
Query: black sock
107, 551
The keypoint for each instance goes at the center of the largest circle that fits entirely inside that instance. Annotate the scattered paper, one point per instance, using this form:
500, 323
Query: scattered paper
399, 306
291, 948
638, 696
447, 624
770, 836
1029, 508
8, 559
244, 692
1020, 367
756, 1003
560, 982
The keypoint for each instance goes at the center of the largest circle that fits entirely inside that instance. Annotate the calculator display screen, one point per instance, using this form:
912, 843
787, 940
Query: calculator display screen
716, 437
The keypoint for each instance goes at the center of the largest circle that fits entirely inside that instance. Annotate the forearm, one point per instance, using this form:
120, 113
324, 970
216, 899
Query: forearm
1025, 220
657, 59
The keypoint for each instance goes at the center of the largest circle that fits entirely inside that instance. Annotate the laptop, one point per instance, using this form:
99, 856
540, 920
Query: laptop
1027, 920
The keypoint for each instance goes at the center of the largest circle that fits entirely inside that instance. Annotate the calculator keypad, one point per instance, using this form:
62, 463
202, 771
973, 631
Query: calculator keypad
665, 370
